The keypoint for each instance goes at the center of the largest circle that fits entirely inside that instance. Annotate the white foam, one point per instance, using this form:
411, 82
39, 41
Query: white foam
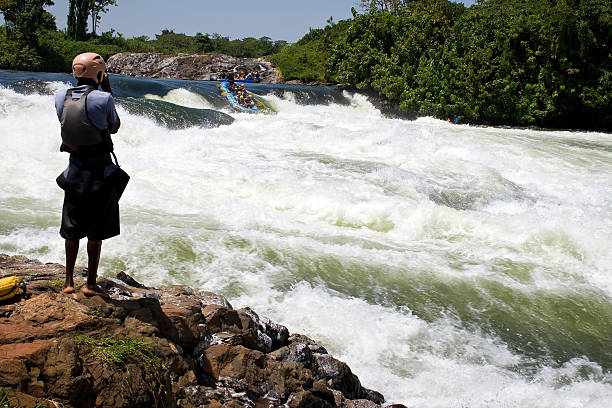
423, 364
183, 97
257, 208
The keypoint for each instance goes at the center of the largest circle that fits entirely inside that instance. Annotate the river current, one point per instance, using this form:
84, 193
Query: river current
449, 266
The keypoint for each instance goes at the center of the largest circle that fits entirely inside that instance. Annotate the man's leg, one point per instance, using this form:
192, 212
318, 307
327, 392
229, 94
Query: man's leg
72, 250
93, 253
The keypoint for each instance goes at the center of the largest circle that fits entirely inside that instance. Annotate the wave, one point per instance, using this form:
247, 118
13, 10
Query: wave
456, 265
174, 116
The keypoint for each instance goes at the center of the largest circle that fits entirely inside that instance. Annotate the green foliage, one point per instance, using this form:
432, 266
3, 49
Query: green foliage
98, 7
25, 17
5, 402
54, 50
57, 51
78, 10
304, 62
169, 42
307, 59
95, 313
512, 62
17, 54
78, 13
117, 351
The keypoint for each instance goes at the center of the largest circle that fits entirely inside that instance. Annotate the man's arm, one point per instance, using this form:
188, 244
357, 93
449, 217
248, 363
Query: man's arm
113, 127
112, 120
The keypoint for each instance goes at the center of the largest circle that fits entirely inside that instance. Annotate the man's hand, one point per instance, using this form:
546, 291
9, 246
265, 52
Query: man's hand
105, 84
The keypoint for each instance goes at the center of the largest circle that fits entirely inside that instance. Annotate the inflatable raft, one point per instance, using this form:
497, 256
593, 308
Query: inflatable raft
232, 100
247, 81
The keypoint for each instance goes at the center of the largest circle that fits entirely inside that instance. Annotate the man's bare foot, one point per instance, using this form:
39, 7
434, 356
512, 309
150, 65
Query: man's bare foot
94, 291
68, 289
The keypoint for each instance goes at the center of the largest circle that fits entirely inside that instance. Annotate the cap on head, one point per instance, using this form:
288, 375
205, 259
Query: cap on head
88, 65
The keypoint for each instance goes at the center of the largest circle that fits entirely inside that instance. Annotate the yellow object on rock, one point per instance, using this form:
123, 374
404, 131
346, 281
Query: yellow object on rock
9, 287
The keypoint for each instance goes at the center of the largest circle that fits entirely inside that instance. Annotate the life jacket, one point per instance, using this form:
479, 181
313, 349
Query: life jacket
77, 129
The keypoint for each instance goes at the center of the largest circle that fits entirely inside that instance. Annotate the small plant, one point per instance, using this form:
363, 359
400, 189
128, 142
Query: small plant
116, 351
94, 313
4, 402
58, 285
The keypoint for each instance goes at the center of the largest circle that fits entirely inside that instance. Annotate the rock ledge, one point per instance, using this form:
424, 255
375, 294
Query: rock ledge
147, 347
189, 66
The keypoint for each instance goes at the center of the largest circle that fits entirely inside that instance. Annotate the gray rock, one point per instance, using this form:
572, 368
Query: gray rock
312, 345
186, 66
339, 376
298, 353
271, 335
128, 280
210, 298
361, 403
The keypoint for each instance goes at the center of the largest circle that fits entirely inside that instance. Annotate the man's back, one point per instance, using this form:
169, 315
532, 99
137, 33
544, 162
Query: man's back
100, 107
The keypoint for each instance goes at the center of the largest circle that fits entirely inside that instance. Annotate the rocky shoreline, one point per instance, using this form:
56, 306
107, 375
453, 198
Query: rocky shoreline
148, 347
196, 67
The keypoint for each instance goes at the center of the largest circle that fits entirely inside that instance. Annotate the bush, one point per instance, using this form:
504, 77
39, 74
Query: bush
511, 62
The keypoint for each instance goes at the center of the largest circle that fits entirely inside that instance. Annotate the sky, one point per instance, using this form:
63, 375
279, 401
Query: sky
285, 20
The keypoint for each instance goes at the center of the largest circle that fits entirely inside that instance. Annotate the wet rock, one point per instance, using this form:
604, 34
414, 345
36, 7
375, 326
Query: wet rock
236, 362
312, 345
210, 298
128, 280
185, 315
307, 399
271, 335
339, 376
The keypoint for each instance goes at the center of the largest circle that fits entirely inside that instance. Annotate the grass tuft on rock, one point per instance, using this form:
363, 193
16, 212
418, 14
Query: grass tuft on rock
94, 313
58, 285
117, 350
6, 403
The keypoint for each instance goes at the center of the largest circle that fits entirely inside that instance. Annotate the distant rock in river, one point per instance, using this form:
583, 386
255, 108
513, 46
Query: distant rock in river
188, 66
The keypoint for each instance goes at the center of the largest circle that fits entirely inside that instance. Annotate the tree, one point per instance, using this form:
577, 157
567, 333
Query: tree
389, 5
25, 17
203, 42
97, 7
78, 11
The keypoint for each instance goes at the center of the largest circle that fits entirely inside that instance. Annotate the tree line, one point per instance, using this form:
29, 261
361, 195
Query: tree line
511, 62
30, 39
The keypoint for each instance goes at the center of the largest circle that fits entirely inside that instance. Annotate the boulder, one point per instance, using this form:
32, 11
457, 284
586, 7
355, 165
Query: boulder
271, 336
188, 66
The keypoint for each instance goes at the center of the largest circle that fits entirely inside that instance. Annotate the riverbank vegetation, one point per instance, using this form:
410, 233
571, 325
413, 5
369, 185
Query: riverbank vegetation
511, 62
30, 40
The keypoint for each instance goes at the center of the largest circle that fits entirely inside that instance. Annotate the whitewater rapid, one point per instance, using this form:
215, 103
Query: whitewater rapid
449, 266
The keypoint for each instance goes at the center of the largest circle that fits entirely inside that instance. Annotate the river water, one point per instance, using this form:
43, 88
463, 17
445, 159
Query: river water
449, 266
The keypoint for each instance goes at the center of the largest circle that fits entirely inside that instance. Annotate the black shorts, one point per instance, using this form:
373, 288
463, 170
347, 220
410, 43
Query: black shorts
91, 208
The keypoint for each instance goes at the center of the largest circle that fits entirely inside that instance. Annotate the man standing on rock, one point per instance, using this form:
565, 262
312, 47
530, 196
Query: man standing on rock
91, 205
